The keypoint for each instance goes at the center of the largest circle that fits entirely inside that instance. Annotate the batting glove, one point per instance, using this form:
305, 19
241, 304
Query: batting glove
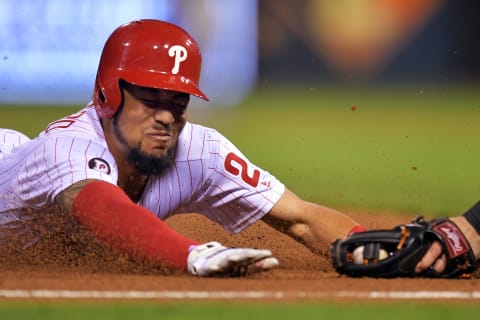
213, 259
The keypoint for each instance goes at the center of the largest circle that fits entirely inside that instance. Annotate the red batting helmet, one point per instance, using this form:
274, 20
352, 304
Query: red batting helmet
147, 53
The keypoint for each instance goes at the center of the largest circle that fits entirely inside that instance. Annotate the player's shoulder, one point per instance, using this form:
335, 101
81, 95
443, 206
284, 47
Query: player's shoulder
197, 142
83, 124
81, 131
200, 133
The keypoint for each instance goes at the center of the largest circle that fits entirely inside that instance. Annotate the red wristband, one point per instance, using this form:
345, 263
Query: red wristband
356, 229
127, 227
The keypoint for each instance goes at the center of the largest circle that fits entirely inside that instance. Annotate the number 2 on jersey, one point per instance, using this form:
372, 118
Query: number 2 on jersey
232, 159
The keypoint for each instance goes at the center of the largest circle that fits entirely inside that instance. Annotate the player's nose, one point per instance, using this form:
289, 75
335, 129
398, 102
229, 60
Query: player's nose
164, 116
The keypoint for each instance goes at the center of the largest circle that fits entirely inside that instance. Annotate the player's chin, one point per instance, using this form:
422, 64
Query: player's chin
157, 153
157, 149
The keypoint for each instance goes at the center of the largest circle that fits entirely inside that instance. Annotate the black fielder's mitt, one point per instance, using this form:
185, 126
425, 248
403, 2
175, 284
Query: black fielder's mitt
396, 252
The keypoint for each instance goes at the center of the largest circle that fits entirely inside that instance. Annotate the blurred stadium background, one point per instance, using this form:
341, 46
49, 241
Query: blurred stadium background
50, 48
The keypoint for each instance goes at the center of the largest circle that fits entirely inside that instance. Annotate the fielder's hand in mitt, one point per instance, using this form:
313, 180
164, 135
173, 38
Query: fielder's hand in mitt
396, 252
214, 260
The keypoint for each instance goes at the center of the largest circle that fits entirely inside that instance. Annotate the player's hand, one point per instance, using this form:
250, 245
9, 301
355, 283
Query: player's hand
434, 258
213, 259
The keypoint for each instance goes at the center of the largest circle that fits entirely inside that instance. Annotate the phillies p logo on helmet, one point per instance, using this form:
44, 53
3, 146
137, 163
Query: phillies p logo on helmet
180, 54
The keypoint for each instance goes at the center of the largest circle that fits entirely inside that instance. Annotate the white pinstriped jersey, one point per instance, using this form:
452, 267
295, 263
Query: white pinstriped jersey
209, 175
10, 139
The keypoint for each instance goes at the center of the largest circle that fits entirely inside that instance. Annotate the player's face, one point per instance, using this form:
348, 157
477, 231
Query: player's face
149, 124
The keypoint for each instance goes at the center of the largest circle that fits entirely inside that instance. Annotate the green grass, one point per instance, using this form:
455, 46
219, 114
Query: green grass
403, 150
238, 310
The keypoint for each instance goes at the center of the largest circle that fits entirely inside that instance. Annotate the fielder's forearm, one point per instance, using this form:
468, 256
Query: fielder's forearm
311, 224
469, 224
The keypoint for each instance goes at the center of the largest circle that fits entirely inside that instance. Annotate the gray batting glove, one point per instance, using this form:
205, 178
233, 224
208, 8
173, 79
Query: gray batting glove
213, 259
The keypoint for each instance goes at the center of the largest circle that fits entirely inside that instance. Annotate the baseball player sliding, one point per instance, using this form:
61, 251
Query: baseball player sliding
130, 159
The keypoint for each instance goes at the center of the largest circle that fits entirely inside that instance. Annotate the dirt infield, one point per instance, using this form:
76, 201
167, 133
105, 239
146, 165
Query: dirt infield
300, 270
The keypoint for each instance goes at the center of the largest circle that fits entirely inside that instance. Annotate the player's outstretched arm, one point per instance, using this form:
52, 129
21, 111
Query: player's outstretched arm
313, 225
106, 211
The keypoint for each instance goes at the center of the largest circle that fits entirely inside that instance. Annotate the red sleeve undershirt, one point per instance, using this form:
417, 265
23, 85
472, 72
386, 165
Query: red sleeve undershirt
106, 210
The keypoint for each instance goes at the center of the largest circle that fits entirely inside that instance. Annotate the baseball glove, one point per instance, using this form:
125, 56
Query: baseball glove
396, 252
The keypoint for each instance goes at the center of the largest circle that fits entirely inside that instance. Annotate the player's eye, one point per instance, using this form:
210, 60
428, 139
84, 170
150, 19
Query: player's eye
179, 109
151, 103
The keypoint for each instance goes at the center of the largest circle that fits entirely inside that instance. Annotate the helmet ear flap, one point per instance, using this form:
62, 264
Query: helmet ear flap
101, 96
106, 99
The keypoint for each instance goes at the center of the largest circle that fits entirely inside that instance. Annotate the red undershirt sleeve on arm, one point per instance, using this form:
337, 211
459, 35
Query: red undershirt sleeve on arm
106, 210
